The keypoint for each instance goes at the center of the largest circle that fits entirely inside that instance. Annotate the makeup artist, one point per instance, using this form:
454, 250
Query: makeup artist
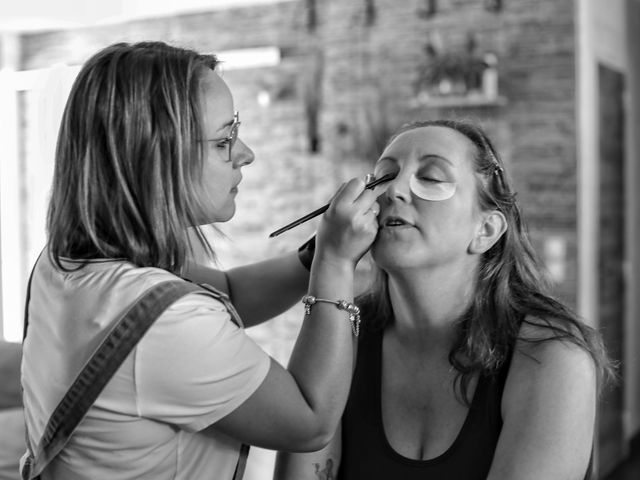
148, 147
467, 368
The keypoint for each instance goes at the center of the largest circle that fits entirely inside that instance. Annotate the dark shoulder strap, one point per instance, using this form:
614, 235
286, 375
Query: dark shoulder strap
115, 348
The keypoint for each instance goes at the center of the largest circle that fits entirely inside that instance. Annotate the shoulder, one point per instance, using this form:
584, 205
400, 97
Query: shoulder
120, 283
546, 366
543, 349
142, 279
548, 406
545, 343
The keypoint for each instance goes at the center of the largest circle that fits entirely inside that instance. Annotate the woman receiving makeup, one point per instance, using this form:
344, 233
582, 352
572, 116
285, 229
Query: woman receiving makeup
467, 368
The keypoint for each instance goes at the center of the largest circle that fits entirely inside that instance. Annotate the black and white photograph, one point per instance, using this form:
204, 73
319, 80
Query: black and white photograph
320, 240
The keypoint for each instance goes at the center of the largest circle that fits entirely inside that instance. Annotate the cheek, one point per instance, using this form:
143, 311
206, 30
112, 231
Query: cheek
450, 218
213, 184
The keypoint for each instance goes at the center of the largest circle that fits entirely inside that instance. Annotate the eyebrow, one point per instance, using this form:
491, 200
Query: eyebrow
424, 157
433, 155
226, 125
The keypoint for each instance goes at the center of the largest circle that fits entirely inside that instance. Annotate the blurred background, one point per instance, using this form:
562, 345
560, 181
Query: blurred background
321, 84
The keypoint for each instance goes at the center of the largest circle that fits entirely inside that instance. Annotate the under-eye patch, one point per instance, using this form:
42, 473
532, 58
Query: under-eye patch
430, 189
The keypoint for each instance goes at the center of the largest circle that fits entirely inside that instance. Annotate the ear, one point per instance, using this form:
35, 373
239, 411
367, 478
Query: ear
492, 226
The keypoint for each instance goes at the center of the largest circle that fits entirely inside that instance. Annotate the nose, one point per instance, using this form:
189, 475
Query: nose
243, 155
398, 188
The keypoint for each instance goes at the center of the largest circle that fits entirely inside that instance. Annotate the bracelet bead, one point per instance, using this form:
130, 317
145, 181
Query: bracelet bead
352, 310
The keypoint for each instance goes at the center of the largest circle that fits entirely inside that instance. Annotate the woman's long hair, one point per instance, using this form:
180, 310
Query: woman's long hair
511, 288
128, 156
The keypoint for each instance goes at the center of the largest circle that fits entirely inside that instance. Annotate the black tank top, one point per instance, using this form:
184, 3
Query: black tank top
366, 453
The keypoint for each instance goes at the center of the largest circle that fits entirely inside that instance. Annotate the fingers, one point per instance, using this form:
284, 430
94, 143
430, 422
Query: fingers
370, 218
350, 191
357, 206
354, 192
350, 225
366, 202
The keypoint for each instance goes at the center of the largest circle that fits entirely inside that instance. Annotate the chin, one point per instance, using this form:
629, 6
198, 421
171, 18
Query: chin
224, 215
389, 257
227, 212
227, 215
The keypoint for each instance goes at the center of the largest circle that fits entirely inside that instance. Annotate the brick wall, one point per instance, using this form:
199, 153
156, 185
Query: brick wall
364, 75
364, 80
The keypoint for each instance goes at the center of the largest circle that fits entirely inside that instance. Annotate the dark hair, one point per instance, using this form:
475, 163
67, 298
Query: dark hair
511, 288
127, 157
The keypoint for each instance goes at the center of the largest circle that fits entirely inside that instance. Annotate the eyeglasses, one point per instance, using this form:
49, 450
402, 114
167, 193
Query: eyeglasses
230, 140
233, 132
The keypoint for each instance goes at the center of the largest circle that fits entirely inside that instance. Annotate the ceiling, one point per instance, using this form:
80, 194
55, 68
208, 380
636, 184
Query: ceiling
30, 15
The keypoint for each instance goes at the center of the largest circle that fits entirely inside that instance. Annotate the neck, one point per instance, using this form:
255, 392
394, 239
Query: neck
427, 302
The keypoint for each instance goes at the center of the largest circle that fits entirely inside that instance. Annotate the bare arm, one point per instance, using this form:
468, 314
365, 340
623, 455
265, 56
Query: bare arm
548, 407
308, 466
259, 291
299, 409
303, 466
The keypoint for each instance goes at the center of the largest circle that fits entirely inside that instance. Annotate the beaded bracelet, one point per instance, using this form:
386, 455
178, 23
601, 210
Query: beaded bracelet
350, 308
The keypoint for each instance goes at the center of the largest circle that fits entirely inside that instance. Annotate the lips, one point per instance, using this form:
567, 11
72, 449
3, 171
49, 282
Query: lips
235, 187
393, 221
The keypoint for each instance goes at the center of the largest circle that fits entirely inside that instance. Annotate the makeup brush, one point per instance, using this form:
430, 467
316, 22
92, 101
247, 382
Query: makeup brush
386, 178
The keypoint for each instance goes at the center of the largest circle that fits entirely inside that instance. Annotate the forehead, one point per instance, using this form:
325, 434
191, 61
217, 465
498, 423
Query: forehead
432, 140
217, 100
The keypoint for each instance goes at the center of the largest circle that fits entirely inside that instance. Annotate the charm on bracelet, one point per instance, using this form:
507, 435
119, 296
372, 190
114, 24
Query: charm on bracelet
352, 310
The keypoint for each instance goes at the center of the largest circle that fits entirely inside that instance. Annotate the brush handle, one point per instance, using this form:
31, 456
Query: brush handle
324, 208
